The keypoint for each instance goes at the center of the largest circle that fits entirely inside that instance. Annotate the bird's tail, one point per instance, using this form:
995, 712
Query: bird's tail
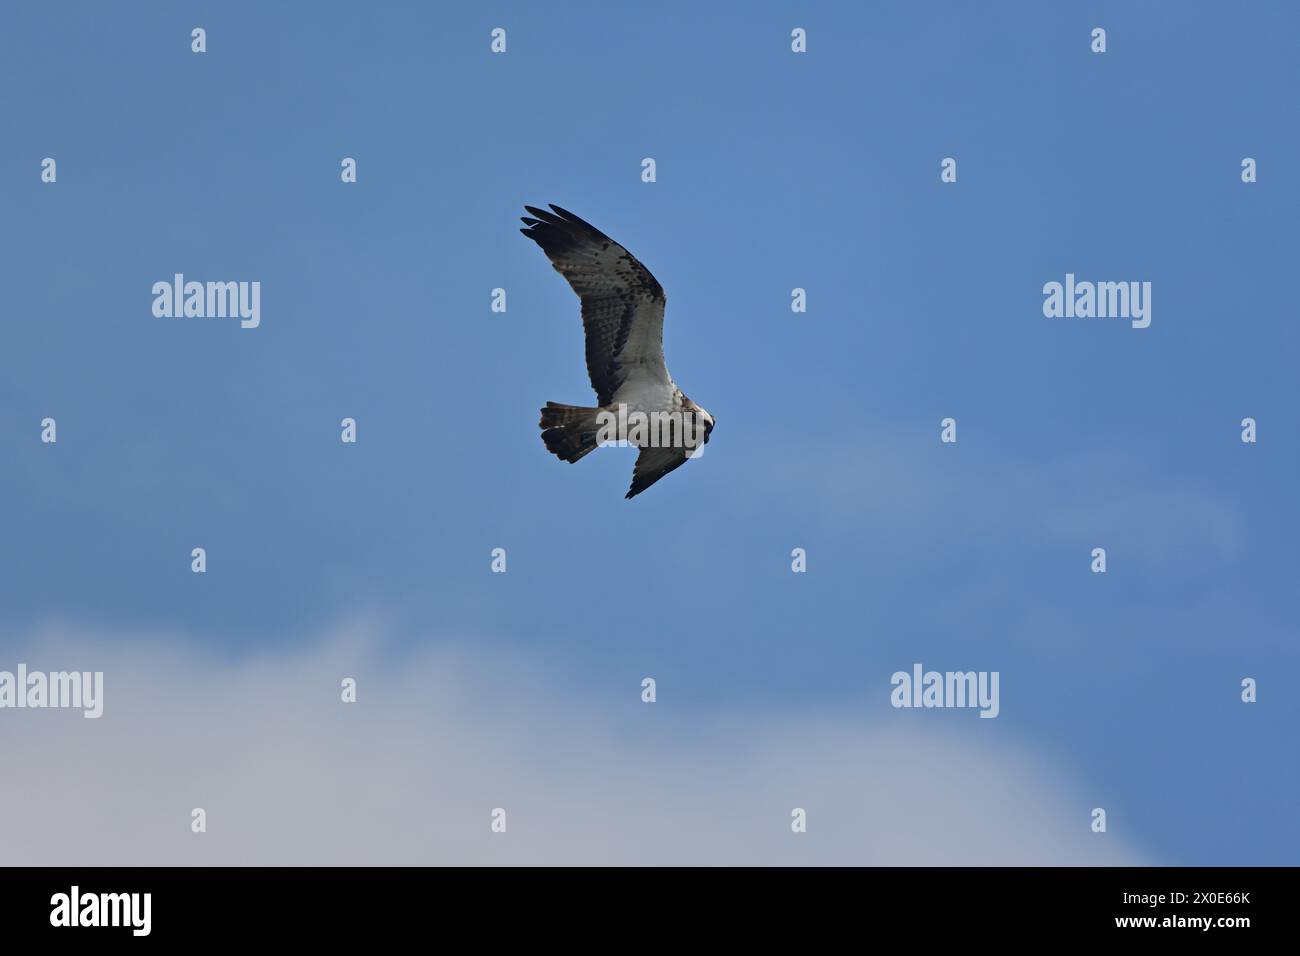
569, 431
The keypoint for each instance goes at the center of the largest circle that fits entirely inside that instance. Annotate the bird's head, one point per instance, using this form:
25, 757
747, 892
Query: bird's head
702, 419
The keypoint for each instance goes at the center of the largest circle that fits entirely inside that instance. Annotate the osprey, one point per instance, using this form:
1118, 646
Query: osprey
623, 318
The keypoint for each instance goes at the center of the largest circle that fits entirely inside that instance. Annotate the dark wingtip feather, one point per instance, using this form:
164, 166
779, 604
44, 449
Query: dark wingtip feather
544, 216
572, 219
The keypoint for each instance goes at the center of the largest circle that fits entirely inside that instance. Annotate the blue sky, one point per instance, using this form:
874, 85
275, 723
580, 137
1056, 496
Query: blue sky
775, 171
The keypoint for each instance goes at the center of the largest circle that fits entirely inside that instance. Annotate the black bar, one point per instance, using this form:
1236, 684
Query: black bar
334, 906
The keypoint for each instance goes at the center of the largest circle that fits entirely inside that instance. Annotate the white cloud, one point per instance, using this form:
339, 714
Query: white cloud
288, 774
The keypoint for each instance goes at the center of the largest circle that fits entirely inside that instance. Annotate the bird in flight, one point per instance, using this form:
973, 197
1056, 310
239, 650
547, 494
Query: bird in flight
623, 318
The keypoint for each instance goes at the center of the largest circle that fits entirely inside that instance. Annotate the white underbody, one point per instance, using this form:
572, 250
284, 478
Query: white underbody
644, 392
648, 393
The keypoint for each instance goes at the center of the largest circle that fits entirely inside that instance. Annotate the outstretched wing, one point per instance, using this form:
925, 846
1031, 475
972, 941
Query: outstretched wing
622, 303
652, 464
